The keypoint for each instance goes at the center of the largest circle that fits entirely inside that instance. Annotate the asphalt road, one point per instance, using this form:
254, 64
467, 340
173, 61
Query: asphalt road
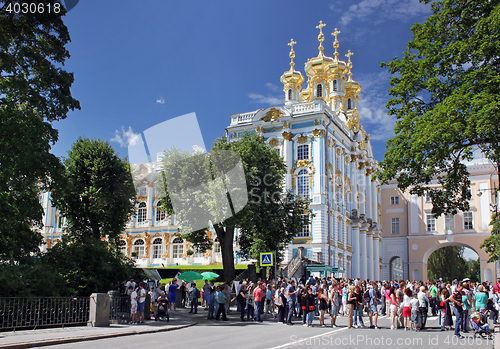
270, 334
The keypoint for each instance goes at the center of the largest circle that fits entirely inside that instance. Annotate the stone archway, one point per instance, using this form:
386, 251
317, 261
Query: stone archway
418, 268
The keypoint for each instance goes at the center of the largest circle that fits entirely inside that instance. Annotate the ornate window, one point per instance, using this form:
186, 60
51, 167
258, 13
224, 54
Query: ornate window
142, 191
303, 152
334, 85
177, 248
157, 247
395, 225
468, 219
142, 212
122, 245
349, 103
341, 232
319, 90
303, 183
289, 94
160, 213
139, 248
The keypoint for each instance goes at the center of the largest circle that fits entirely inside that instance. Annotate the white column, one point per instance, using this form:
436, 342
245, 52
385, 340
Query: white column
362, 254
369, 214
287, 155
374, 202
376, 252
361, 179
369, 255
149, 203
355, 251
354, 188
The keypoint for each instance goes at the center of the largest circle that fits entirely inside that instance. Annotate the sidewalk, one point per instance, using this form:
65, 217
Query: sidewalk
52, 336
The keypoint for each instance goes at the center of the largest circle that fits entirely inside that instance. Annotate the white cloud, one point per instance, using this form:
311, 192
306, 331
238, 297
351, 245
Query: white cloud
271, 99
160, 100
384, 10
126, 138
273, 87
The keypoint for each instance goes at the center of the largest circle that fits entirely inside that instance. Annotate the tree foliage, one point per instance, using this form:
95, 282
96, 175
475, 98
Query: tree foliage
34, 92
269, 220
446, 98
97, 193
447, 263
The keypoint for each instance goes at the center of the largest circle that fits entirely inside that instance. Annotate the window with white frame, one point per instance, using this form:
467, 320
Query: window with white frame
122, 245
160, 213
177, 248
197, 253
334, 85
431, 223
306, 231
349, 103
289, 94
468, 221
303, 152
216, 245
157, 247
449, 222
395, 200
395, 225
142, 191
142, 212
139, 248
427, 198
303, 183
338, 195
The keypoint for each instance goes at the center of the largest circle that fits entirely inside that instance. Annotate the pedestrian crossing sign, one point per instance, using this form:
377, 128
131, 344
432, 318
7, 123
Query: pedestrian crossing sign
266, 259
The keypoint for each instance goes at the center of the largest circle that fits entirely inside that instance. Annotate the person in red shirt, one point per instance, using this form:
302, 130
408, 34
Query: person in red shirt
496, 288
258, 294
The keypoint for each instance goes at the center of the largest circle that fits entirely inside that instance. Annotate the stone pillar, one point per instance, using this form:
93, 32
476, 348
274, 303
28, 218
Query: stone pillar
362, 254
355, 251
374, 203
361, 182
99, 310
287, 155
369, 214
369, 255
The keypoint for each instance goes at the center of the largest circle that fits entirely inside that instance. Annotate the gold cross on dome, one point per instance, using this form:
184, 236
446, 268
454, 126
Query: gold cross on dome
349, 54
335, 33
320, 26
291, 43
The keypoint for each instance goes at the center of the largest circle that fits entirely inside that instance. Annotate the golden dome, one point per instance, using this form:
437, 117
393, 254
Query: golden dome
292, 76
337, 66
318, 65
350, 83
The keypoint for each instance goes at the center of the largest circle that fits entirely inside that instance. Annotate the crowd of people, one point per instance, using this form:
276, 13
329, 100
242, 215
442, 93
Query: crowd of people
406, 303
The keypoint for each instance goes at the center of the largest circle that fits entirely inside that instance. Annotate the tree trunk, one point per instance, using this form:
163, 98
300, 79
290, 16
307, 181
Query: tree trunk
226, 236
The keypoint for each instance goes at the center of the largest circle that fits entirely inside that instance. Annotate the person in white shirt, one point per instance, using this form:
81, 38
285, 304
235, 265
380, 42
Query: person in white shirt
414, 312
133, 305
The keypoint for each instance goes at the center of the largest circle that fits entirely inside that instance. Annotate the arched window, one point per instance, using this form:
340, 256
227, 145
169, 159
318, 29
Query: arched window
157, 243
349, 103
303, 183
334, 85
160, 213
306, 231
177, 248
289, 94
216, 245
122, 245
303, 152
142, 212
319, 90
139, 248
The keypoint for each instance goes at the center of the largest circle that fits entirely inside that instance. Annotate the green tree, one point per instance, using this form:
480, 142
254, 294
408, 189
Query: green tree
34, 92
473, 270
267, 223
446, 98
97, 193
447, 263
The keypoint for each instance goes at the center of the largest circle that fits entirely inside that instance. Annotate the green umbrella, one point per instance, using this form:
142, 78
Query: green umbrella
190, 275
209, 275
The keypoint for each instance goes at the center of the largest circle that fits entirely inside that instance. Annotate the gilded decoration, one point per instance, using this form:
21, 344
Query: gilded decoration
302, 139
353, 158
332, 142
147, 244
340, 245
316, 122
259, 129
318, 133
348, 248
235, 135
274, 142
348, 257
287, 136
128, 239
339, 218
361, 165
261, 139
207, 253
272, 115
340, 255
286, 124
49, 243
338, 151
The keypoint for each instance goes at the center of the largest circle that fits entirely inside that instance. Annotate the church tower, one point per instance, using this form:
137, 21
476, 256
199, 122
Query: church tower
292, 80
337, 72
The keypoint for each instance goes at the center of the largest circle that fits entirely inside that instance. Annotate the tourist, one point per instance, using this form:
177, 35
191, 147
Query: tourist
406, 307
373, 301
414, 311
133, 304
291, 298
310, 307
172, 293
446, 320
242, 299
393, 308
335, 302
323, 305
141, 301
351, 305
358, 307
221, 300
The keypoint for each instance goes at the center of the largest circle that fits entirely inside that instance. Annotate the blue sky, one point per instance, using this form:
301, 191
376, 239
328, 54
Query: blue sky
137, 64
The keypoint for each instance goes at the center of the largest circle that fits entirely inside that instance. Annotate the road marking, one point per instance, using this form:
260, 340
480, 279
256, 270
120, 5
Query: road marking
304, 339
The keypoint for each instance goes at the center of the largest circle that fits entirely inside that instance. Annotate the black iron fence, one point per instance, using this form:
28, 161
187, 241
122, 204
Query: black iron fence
119, 311
31, 312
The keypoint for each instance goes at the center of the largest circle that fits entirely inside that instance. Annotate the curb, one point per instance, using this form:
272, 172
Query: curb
56, 341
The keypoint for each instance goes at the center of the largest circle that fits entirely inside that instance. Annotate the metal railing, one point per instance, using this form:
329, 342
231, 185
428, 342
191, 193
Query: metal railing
119, 308
294, 264
33, 312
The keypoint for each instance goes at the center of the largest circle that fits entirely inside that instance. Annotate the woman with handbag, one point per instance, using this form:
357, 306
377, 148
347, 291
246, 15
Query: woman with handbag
310, 306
